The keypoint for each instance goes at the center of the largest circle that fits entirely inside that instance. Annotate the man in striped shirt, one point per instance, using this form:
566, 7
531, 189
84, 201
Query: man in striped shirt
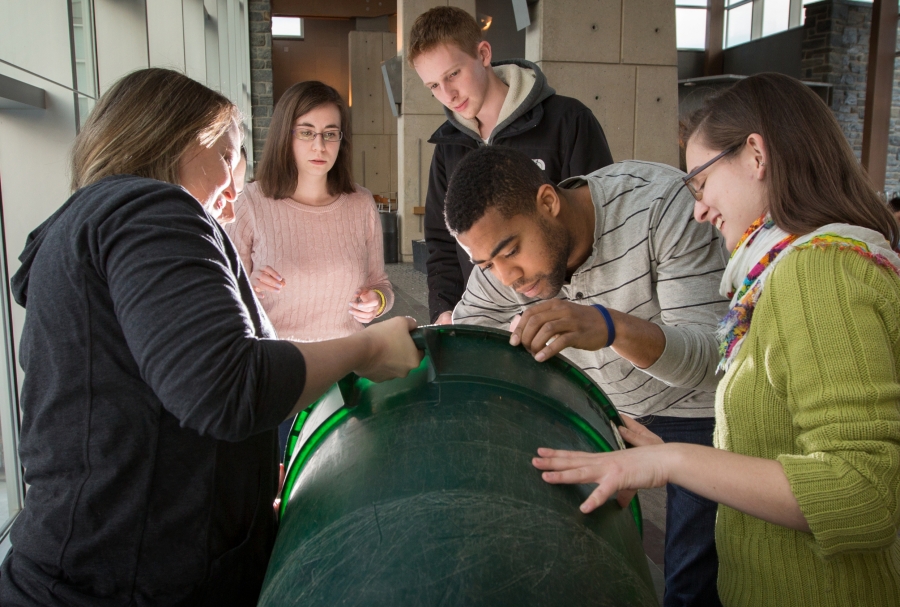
611, 270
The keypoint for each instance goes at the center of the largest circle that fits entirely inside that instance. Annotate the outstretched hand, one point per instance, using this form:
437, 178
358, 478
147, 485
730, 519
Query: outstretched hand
617, 472
547, 328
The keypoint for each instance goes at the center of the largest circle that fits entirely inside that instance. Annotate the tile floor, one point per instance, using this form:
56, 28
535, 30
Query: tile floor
410, 292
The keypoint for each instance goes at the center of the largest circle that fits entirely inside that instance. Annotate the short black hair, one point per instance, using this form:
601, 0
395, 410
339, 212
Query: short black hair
894, 204
491, 177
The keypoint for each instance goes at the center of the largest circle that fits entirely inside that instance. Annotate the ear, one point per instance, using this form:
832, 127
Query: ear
484, 53
756, 148
548, 202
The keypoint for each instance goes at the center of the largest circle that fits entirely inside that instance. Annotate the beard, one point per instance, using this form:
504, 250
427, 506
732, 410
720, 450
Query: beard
558, 242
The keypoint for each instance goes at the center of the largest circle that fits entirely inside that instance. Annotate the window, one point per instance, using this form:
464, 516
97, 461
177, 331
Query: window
85, 64
776, 16
738, 22
690, 24
287, 27
12, 489
745, 20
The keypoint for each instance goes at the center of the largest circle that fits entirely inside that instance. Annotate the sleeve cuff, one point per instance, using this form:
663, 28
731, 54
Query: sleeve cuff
842, 510
672, 358
284, 380
689, 359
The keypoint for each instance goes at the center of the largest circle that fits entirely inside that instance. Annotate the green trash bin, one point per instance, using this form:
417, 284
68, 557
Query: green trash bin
420, 491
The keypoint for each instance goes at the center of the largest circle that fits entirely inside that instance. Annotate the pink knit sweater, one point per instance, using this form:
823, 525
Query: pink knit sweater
324, 254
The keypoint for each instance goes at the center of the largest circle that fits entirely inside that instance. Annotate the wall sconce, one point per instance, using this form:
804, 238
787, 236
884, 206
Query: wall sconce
484, 21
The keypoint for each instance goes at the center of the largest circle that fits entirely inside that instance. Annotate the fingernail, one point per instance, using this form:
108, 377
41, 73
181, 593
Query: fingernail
514, 340
584, 508
540, 356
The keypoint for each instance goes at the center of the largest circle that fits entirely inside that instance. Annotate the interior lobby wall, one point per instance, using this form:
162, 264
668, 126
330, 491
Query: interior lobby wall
321, 55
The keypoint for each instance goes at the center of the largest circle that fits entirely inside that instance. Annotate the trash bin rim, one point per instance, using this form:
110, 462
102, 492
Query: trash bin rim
300, 454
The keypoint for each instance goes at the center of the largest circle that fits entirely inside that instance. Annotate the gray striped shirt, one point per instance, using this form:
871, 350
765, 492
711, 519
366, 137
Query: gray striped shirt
652, 260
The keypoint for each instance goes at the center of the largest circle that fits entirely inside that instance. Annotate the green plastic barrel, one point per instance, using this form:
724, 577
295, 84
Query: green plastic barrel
420, 491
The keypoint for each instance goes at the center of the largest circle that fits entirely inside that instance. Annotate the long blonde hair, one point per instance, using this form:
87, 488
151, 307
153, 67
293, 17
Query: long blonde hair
144, 123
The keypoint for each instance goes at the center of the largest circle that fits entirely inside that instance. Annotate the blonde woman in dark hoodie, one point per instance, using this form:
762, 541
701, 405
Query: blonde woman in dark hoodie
153, 384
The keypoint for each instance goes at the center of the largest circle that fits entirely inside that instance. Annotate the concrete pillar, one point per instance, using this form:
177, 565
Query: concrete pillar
619, 58
373, 126
421, 114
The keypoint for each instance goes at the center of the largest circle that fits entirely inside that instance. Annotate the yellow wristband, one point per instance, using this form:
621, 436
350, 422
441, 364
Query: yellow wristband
383, 303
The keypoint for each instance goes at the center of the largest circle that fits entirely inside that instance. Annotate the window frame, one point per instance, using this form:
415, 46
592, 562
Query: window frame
795, 18
705, 9
10, 421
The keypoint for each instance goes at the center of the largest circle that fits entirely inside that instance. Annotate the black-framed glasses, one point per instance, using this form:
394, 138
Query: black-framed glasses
687, 179
310, 135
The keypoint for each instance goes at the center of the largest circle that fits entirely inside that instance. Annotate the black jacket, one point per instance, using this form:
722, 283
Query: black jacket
561, 132
149, 404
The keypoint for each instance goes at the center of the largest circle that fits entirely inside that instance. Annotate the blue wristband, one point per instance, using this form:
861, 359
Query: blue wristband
610, 327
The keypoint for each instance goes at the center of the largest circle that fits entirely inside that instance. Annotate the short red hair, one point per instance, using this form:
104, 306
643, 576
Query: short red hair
443, 25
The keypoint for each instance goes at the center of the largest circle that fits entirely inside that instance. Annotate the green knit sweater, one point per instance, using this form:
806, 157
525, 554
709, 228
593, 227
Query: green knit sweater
816, 385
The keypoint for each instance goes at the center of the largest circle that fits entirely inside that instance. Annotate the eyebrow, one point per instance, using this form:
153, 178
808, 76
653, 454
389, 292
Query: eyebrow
328, 126
500, 246
444, 75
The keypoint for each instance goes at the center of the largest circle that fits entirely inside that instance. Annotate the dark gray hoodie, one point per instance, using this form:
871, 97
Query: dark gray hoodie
152, 389
559, 133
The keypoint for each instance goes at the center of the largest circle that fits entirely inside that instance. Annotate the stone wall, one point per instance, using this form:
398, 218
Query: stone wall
836, 51
261, 99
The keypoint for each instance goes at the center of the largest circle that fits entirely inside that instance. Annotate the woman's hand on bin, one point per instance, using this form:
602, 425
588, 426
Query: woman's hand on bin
619, 473
391, 351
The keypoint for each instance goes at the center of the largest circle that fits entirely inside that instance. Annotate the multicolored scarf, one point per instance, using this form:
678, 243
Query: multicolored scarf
758, 252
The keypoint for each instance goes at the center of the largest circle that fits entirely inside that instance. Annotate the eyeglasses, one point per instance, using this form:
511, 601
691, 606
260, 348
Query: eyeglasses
698, 194
327, 136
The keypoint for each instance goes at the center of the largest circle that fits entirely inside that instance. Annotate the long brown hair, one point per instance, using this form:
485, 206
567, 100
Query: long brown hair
277, 174
144, 123
813, 178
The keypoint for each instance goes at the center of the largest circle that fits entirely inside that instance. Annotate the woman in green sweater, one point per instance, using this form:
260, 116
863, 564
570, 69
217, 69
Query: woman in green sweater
807, 464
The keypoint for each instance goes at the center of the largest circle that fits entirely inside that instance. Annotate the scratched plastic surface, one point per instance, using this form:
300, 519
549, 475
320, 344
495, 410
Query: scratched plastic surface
420, 491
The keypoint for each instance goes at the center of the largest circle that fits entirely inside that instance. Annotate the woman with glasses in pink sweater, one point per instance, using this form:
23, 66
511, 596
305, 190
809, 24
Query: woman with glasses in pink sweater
308, 236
